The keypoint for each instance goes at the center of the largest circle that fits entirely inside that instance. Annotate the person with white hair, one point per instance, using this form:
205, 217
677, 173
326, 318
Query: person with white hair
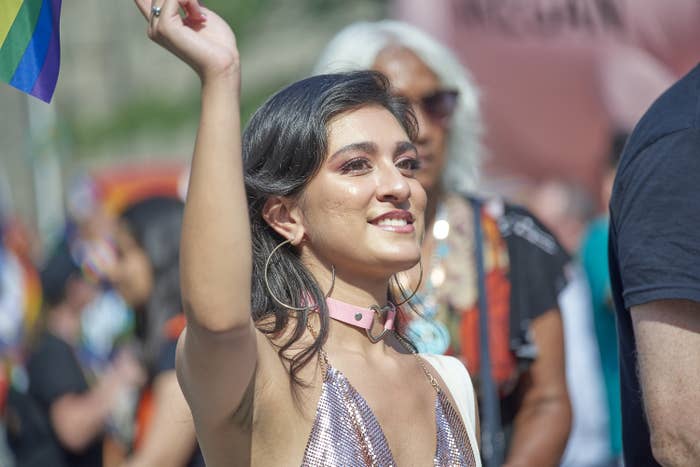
488, 268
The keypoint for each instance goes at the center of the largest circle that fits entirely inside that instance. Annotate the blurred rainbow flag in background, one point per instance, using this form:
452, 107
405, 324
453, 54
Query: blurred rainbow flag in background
30, 52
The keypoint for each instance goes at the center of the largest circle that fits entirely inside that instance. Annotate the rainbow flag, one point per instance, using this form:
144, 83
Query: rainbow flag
30, 52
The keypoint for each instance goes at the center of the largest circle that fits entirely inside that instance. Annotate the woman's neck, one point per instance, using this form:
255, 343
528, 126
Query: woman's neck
360, 296
353, 287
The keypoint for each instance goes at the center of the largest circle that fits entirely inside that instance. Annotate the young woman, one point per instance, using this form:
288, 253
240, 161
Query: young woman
525, 408
292, 352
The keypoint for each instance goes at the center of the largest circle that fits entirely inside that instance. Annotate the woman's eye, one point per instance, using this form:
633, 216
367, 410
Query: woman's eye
409, 164
355, 165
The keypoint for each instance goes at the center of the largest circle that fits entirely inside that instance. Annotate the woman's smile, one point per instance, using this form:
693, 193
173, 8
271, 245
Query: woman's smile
399, 221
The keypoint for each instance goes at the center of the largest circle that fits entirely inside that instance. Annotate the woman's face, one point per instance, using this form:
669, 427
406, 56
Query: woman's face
412, 79
132, 274
363, 211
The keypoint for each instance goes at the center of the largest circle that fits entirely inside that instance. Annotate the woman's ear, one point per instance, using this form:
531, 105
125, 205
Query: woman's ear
283, 215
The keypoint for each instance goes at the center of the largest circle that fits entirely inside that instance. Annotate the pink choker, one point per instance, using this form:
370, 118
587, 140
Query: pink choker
362, 317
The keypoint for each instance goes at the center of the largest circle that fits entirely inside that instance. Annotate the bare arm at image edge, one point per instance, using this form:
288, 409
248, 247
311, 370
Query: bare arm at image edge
542, 424
668, 345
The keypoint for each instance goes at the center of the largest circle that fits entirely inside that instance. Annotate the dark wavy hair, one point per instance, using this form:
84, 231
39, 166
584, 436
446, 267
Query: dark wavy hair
284, 145
155, 223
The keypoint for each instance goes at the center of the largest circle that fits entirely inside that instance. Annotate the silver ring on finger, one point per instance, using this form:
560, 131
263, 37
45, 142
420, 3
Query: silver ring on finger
155, 12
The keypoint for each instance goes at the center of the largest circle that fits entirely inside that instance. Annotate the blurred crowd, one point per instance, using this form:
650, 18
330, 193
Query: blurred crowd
88, 328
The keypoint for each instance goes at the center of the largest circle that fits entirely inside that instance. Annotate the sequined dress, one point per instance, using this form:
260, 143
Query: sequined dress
347, 433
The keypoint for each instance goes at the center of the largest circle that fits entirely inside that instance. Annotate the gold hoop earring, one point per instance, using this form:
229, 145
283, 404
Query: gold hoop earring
274, 297
420, 281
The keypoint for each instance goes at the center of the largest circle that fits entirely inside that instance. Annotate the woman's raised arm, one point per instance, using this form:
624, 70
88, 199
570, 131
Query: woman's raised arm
216, 358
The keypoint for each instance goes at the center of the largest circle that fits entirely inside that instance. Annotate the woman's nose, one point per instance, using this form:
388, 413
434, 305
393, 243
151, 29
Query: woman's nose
392, 185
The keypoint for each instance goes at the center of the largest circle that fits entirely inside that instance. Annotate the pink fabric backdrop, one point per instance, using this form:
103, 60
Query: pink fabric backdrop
557, 76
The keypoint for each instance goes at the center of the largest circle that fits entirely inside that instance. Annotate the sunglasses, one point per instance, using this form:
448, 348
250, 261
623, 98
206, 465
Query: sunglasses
439, 105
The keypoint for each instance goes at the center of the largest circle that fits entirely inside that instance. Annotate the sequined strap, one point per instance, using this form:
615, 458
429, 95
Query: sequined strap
323, 363
433, 381
322, 355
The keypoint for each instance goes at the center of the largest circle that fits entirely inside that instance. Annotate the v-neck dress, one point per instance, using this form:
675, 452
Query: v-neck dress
346, 432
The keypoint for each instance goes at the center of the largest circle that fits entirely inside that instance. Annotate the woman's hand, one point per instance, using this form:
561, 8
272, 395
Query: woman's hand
199, 37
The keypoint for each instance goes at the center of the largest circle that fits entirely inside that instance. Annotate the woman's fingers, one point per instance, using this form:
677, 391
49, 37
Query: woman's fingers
193, 11
144, 7
148, 7
160, 14
168, 14
169, 8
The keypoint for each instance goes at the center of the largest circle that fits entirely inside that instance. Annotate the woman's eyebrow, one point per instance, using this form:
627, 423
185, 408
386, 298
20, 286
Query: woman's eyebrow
405, 146
365, 146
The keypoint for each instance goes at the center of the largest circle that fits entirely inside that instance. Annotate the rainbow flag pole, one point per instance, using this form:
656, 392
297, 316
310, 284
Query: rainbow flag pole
30, 52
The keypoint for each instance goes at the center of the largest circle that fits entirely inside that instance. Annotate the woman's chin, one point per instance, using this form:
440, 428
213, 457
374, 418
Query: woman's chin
404, 263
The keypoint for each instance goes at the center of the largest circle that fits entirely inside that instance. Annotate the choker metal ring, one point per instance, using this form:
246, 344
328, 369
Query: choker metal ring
382, 312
